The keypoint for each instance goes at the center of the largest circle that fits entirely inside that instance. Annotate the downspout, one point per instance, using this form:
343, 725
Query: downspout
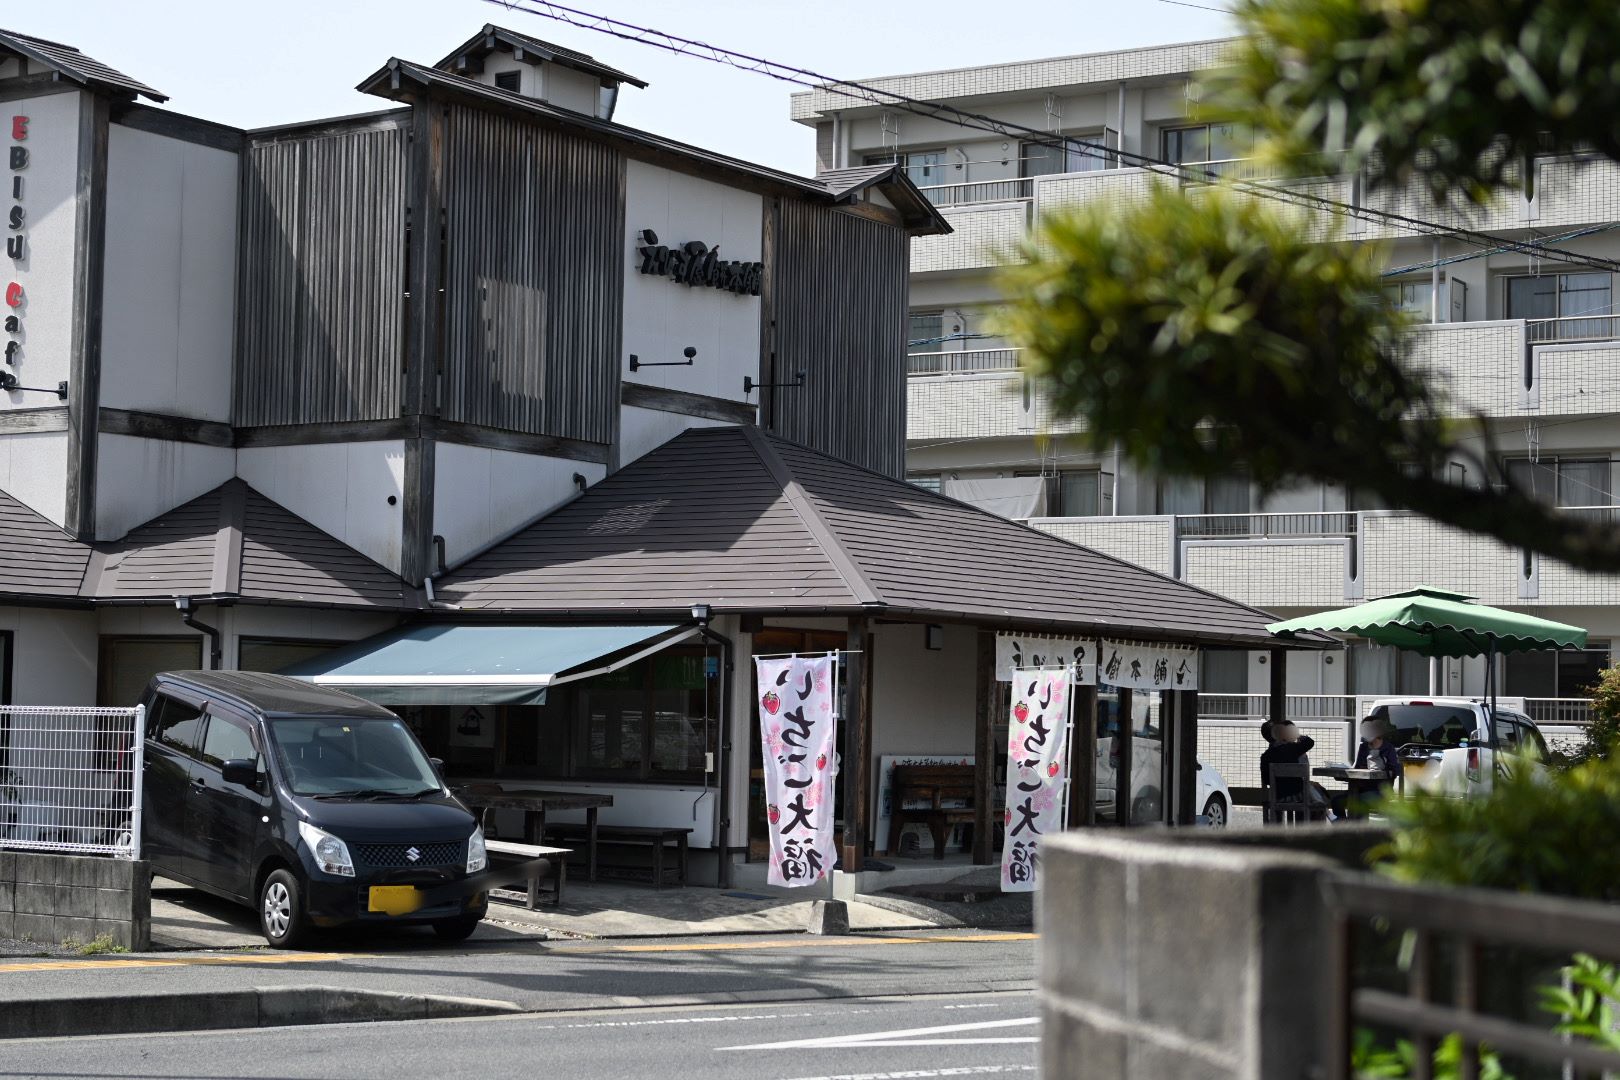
727, 673
216, 647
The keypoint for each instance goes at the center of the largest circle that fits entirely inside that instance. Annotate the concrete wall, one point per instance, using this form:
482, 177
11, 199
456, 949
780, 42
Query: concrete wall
342, 488
51, 899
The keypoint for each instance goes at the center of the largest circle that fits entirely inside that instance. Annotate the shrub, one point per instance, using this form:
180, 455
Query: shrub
1603, 733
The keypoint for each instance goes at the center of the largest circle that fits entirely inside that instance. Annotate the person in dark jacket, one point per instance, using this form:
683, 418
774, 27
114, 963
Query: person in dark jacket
1376, 751
1287, 747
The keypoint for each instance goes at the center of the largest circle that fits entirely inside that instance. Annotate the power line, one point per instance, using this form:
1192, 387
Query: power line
814, 80
1200, 7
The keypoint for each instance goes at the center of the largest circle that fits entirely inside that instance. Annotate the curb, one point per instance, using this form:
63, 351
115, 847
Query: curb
256, 1007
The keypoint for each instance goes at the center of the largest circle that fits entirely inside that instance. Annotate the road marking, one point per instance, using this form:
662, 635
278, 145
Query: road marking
908, 1074
797, 943
178, 961
906, 1037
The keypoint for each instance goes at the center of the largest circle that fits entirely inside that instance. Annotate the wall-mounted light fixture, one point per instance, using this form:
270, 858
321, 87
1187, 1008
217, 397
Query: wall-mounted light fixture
934, 637
637, 363
9, 384
702, 613
749, 385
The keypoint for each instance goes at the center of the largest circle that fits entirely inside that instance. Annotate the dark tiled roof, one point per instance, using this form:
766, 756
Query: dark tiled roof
235, 542
897, 187
491, 35
844, 181
74, 65
746, 522
41, 559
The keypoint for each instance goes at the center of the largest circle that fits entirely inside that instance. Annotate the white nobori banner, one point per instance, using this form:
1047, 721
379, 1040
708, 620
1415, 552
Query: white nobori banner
798, 727
1037, 771
1146, 666
1014, 651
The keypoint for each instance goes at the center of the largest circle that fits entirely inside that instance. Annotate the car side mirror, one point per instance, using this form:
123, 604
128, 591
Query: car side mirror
244, 771
438, 766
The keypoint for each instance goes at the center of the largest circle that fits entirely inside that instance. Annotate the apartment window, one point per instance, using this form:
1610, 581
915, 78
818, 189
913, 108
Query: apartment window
509, 80
924, 332
1416, 298
1044, 159
1377, 670
1564, 481
1072, 492
1554, 674
926, 481
1229, 493
1200, 144
925, 168
1582, 304
1223, 671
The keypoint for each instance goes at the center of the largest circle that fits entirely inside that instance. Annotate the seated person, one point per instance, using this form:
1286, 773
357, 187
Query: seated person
1287, 747
1376, 752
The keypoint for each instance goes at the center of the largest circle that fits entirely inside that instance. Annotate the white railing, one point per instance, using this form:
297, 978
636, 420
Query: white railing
1569, 711
70, 779
962, 361
1261, 526
980, 191
1573, 328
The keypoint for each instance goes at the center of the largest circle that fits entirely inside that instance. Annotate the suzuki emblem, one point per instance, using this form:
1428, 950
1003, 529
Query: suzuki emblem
412, 854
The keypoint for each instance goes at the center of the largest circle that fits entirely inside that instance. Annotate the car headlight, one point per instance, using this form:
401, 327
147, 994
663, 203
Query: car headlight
331, 854
476, 855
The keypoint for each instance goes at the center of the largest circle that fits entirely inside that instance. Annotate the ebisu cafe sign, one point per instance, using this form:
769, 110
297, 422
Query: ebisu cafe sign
696, 263
17, 236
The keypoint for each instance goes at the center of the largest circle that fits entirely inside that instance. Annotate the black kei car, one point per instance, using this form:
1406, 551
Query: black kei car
314, 806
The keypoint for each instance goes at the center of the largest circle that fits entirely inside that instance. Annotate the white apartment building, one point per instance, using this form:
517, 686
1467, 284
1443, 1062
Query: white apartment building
1531, 343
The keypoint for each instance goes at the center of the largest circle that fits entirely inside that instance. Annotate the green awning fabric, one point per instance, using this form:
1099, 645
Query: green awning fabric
481, 665
1435, 622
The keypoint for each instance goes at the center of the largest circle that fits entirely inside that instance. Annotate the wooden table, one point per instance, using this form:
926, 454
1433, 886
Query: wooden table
534, 805
1361, 782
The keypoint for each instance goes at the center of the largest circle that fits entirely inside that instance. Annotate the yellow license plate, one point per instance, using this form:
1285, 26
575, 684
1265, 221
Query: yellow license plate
395, 899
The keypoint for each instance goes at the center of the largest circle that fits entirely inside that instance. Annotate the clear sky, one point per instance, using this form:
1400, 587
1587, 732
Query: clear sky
253, 64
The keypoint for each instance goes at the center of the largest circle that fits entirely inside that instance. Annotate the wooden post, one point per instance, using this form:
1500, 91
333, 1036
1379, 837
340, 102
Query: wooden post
1122, 775
1278, 709
1083, 759
1169, 763
985, 700
1186, 707
857, 743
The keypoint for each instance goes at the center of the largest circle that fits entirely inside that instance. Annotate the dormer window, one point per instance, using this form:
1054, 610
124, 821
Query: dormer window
510, 81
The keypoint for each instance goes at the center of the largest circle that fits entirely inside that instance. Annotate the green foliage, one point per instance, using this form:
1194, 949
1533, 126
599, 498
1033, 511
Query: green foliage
1456, 94
1537, 832
1603, 733
1370, 1061
1196, 331
1587, 1009
96, 946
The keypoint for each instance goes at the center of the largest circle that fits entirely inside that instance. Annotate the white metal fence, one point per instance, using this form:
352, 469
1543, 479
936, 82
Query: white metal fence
70, 779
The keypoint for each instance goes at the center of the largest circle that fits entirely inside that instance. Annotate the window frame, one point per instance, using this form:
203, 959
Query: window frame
155, 714
645, 772
230, 719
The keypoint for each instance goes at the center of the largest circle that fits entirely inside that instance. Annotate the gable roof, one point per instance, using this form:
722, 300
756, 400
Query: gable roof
745, 521
234, 543
892, 180
73, 65
491, 37
402, 80
42, 559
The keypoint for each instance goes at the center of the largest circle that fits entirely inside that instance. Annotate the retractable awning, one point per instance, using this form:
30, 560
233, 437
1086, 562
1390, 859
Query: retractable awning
482, 665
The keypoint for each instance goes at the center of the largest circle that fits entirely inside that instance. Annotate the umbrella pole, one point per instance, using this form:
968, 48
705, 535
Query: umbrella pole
1490, 685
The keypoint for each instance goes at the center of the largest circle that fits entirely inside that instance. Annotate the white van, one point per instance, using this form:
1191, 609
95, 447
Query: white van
1445, 747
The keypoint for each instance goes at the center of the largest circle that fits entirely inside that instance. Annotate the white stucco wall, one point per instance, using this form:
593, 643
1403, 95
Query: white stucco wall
51, 234
54, 656
569, 89
138, 479
661, 317
644, 430
33, 470
481, 495
342, 488
169, 296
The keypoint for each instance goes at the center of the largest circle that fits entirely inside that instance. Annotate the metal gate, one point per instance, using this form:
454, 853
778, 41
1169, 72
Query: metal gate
70, 779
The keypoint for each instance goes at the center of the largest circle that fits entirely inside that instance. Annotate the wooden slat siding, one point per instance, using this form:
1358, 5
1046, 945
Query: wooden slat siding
42, 559
534, 278
321, 279
839, 296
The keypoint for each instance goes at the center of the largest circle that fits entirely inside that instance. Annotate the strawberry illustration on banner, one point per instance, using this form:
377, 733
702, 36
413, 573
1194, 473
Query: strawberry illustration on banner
1037, 752
798, 727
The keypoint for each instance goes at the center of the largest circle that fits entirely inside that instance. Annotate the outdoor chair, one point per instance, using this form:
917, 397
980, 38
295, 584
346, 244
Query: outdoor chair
1294, 808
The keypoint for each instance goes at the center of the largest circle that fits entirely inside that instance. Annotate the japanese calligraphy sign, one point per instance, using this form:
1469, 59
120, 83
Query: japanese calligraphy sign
1147, 667
1014, 651
797, 731
1037, 762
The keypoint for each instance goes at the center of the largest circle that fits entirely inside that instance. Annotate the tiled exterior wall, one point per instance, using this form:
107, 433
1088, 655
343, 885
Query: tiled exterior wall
1109, 67
1474, 366
1144, 541
1119, 187
1577, 193
977, 407
1561, 584
1578, 378
1283, 574
1403, 550
982, 237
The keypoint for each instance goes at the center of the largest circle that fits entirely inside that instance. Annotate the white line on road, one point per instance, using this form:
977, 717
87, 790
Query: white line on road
919, 1074
906, 1037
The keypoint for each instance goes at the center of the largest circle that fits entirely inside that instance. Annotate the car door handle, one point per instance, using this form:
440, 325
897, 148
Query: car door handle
198, 783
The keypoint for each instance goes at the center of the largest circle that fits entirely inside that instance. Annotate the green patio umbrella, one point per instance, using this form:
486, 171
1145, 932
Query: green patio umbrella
1435, 622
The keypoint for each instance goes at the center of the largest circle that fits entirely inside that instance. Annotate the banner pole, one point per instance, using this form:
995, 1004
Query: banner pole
837, 713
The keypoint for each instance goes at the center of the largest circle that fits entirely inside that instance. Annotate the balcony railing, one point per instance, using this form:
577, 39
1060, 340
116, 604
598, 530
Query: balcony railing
1262, 526
1573, 328
980, 191
962, 361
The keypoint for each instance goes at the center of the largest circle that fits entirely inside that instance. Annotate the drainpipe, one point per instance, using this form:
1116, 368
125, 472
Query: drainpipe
216, 647
727, 674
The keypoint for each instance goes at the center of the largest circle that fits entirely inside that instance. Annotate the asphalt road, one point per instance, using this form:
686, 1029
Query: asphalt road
853, 1006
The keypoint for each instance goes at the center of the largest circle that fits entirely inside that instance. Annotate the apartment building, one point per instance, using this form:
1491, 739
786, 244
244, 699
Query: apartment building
1530, 343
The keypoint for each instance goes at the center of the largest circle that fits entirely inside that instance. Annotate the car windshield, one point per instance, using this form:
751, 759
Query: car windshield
366, 757
1431, 725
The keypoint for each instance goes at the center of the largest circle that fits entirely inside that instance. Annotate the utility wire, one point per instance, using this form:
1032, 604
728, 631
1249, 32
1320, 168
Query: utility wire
814, 80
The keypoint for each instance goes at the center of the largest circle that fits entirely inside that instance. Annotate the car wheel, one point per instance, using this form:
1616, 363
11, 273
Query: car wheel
281, 910
1145, 811
455, 929
1215, 812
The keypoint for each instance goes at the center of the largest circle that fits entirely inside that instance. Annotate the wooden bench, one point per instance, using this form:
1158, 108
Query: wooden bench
636, 836
935, 784
557, 857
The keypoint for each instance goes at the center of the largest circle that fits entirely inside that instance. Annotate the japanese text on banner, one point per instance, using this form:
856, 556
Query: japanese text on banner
1037, 755
1016, 650
1148, 667
797, 729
